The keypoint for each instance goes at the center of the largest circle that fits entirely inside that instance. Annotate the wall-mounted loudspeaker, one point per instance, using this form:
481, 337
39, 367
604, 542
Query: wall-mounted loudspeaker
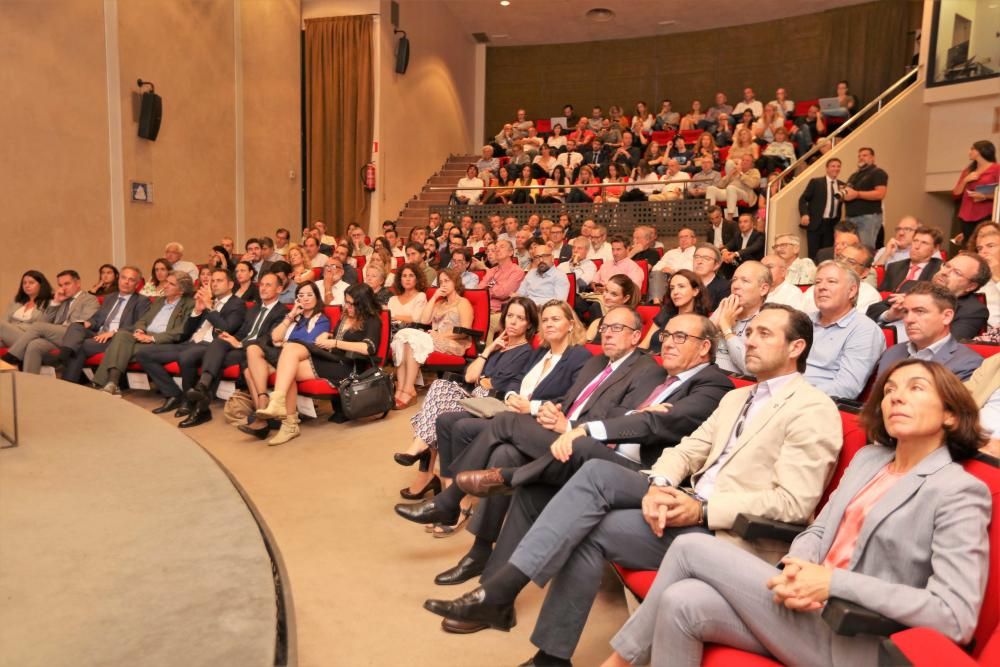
402, 54
150, 115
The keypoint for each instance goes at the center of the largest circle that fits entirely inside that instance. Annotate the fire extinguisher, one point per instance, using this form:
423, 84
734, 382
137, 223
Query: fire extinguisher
368, 177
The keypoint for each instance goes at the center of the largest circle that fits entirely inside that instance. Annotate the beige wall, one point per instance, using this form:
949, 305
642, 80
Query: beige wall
229, 77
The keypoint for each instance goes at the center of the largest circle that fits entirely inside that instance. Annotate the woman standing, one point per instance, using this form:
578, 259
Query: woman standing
977, 186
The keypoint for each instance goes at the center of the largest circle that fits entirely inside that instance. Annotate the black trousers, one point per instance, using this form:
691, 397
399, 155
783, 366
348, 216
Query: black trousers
73, 370
218, 356
821, 237
152, 358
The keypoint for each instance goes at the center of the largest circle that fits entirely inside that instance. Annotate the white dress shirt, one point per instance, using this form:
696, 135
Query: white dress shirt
786, 293
676, 259
534, 377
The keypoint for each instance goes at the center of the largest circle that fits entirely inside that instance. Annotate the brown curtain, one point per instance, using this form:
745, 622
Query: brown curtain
340, 102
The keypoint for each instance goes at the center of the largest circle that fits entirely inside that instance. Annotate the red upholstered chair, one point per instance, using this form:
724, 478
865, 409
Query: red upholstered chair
644, 265
986, 350
647, 313
571, 299
691, 136
439, 362
594, 348
360, 260
543, 125
662, 137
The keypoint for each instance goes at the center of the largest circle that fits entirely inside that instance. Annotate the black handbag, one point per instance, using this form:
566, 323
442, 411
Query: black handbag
367, 393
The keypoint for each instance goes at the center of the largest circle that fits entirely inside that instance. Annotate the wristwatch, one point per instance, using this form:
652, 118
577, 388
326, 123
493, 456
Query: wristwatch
658, 480
704, 513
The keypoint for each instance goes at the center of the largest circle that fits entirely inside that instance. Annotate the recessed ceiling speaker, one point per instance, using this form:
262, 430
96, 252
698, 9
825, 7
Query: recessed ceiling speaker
150, 112
402, 53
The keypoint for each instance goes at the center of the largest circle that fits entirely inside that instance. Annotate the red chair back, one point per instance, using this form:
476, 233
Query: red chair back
360, 259
644, 265
543, 125
854, 440
594, 348
333, 314
647, 313
571, 298
662, 137
985, 350
989, 614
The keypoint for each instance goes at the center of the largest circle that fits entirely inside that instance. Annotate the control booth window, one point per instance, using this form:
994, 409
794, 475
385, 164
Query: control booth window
965, 41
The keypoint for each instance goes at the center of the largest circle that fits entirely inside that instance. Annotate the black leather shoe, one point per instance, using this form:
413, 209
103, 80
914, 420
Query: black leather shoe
472, 607
198, 394
171, 403
11, 359
404, 459
184, 410
426, 512
466, 569
259, 433
196, 418
544, 660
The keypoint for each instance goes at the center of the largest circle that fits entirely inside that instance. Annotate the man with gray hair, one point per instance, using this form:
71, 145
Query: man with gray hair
859, 258
781, 290
846, 344
487, 164
748, 290
173, 252
801, 270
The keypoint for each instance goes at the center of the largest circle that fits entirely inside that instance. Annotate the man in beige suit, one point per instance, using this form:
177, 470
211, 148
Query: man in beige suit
984, 385
767, 450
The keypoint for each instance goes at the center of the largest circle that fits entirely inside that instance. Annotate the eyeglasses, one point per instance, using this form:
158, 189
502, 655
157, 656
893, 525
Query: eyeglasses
679, 337
849, 261
906, 229
779, 246
614, 328
707, 258
947, 268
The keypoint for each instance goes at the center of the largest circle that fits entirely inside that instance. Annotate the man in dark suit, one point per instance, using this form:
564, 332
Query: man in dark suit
722, 231
561, 250
672, 410
607, 386
844, 234
928, 311
922, 264
120, 310
707, 264
746, 246
598, 158
962, 276
254, 255
229, 349
215, 311
820, 206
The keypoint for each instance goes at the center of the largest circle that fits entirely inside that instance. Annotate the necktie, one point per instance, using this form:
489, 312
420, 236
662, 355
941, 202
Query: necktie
113, 314
591, 388
831, 203
741, 422
63, 311
910, 275
255, 329
656, 392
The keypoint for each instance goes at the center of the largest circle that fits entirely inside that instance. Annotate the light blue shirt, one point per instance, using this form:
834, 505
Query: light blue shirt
538, 287
159, 323
844, 354
288, 294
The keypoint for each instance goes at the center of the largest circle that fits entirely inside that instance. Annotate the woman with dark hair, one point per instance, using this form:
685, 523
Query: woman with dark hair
685, 295
557, 140
497, 370
446, 310
977, 186
409, 300
157, 275
32, 298
505, 181
544, 162
555, 191
304, 324
655, 158
904, 534
107, 281
584, 195
617, 173
523, 193
618, 291
245, 289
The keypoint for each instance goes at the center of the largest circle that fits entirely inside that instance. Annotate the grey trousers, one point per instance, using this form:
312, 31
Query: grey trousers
35, 343
596, 517
709, 590
658, 284
10, 332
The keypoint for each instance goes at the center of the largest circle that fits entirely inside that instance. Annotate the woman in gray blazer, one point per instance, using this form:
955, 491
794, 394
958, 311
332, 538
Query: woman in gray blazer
904, 534
29, 305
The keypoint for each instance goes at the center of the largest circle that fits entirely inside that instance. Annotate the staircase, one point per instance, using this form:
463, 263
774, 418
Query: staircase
417, 209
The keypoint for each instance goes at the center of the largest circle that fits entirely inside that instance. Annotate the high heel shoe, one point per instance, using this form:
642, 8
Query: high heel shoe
433, 485
404, 459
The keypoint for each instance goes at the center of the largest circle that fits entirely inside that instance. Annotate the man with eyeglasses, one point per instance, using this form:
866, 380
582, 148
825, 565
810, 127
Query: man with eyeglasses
749, 286
561, 250
755, 454
962, 275
541, 283
801, 270
706, 262
332, 285
859, 259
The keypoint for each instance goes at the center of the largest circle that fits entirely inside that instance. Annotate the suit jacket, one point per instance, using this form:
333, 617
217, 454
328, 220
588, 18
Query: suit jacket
692, 403
985, 381
729, 231
623, 390
718, 289
954, 356
602, 158
565, 253
754, 250
970, 316
134, 308
278, 311
36, 313
813, 200
922, 555
562, 377
229, 318
777, 468
83, 308
896, 272
175, 325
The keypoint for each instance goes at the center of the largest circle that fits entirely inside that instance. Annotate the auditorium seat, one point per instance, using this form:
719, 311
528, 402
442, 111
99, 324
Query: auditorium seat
663, 137
644, 265
985, 350
571, 299
439, 362
543, 125
647, 313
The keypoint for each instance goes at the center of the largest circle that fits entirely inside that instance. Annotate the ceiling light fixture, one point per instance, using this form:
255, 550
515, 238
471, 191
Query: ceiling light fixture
504, 3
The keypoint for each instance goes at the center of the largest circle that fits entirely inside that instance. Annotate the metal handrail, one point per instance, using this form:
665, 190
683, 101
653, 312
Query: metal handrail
450, 188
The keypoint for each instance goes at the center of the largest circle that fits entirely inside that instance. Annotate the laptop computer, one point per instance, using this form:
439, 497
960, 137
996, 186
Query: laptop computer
559, 120
829, 104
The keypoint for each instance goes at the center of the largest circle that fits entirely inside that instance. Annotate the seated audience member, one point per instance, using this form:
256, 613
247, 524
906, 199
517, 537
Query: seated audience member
497, 370
446, 311
644, 116
782, 291
332, 285
673, 183
578, 264
107, 281
715, 112
749, 102
557, 140
415, 255
218, 258
703, 178
343, 252
749, 288
268, 252
620, 263
69, 304
282, 237
747, 245
33, 296
597, 158
704, 147
502, 281
487, 165
504, 140
628, 154
254, 254
523, 241
283, 270
121, 309
599, 246
205, 274
215, 311
672, 410
675, 259
324, 238
409, 299
779, 469
391, 242
720, 231
645, 183
317, 259
782, 105
612, 193
643, 248
154, 286
541, 283
922, 263
667, 119
531, 143
778, 155
163, 323
173, 252
897, 248
706, 265
461, 260
723, 131
588, 187
962, 275
303, 324
858, 258
358, 331
358, 246
686, 295
510, 227
561, 250
618, 291
606, 386
679, 151
809, 130
380, 259
227, 349
743, 145
229, 245
523, 192
928, 311
984, 385
766, 127
985, 242
710, 591
301, 268
801, 270
555, 190
846, 344
655, 157
244, 287
584, 131
844, 234
571, 159
376, 278
739, 184
544, 163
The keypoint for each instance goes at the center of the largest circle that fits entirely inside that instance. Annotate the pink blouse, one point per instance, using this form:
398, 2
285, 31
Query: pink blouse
839, 556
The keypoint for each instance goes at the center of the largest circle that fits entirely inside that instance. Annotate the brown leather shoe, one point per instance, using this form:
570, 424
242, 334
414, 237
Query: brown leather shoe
483, 483
462, 627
